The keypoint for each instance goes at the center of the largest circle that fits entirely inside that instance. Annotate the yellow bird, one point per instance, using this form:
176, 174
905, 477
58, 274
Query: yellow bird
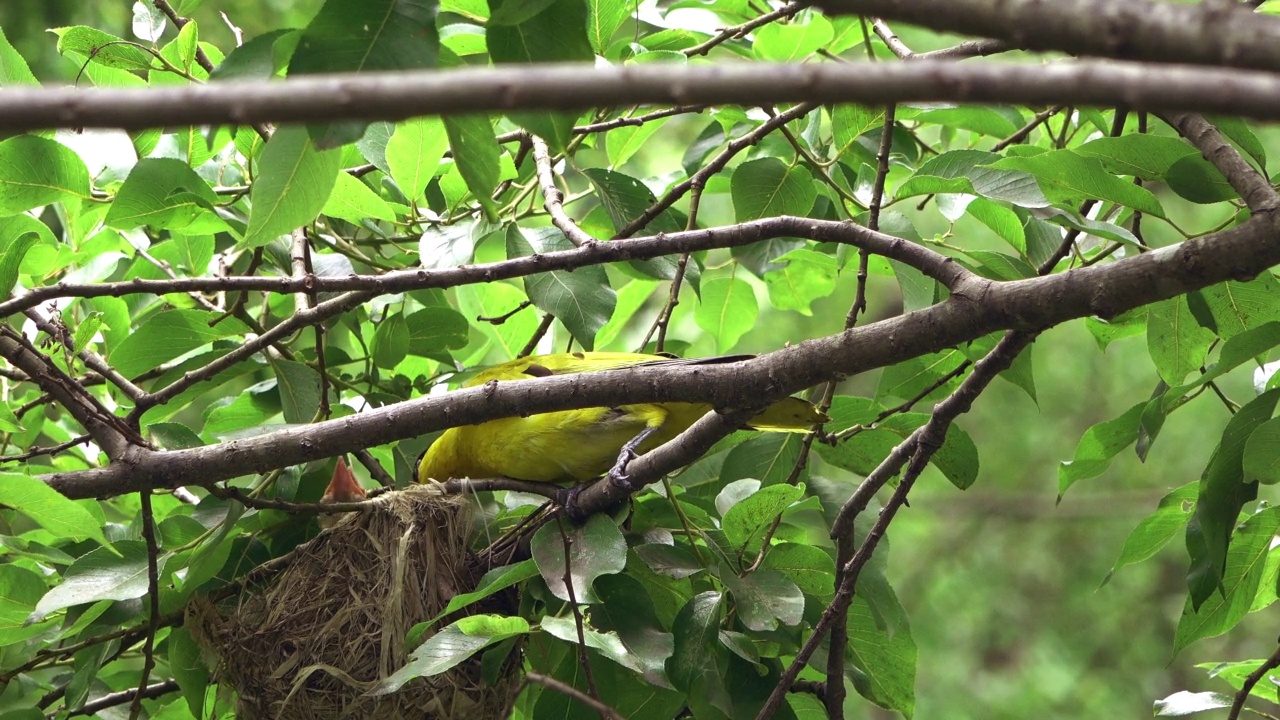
578, 445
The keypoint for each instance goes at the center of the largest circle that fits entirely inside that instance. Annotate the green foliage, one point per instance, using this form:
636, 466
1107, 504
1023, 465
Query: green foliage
695, 599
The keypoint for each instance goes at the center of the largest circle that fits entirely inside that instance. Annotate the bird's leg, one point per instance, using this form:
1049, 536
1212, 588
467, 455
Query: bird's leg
618, 474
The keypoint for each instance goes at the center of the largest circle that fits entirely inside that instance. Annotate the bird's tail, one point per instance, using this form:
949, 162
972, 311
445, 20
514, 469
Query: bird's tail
789, 415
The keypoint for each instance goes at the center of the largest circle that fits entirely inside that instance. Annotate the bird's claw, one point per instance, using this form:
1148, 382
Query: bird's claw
618, 476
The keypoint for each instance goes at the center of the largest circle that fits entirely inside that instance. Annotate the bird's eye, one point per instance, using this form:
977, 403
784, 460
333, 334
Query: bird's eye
537, 370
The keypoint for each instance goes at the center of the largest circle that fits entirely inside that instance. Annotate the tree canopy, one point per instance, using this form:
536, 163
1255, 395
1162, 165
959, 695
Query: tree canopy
239, 241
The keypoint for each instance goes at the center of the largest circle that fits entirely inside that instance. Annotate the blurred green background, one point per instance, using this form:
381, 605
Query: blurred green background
1004, 587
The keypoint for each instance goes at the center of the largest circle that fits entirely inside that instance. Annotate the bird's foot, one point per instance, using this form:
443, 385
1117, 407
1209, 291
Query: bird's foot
567, 498
618, 476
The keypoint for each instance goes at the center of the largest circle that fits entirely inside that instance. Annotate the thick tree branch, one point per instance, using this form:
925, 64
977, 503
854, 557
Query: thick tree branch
915, 453
106, 430
1202, 33
396, 96
1254, 187
937, 266
975, 308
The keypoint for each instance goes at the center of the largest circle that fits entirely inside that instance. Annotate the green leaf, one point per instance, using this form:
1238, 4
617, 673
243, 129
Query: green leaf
294, 181
452, 645
792, 42
476, 153
698, 657
496, 580
35, 171
365, 36
49, 508
493, 300
1098, 447
118, 572
1223, 492
20, 590
1240, 134
1157, 529
1235, 352
631, 298
514, 12
261, 58
882, 664
971, 171
299, 390
11, 259
766, 187
390, 341
604, 17
188, 669
168, 335
849, 122
1139, 154
862, 452
811, 568
557, 33
582, 299
414, 152
435, 330
1240, 306
354, 202
446, 246
173, 436
1243, 572
103, 48
727, 311
1177, 343
958, 458
746, 522
981, 120
1197, 180
14, 70
624, 198
669, 560
162, 193
767, 457
1067, 177
1262, 453
806, 276
625, 141
764, 598
596, 548
627, 610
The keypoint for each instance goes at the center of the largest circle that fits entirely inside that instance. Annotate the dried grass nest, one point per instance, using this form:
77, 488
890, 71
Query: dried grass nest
313, 639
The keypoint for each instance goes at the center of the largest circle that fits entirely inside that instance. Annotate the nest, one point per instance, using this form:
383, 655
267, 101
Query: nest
315, 637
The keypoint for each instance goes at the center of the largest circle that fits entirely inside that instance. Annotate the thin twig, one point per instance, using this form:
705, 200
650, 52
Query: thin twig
500, 319
1021, 133
472, 485
583, 659
543, 326
739, 31
153, 598
573, 692
133, 695
715, 165
51, 450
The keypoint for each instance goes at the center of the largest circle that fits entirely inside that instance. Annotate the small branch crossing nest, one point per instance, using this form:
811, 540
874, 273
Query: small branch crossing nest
314, 638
